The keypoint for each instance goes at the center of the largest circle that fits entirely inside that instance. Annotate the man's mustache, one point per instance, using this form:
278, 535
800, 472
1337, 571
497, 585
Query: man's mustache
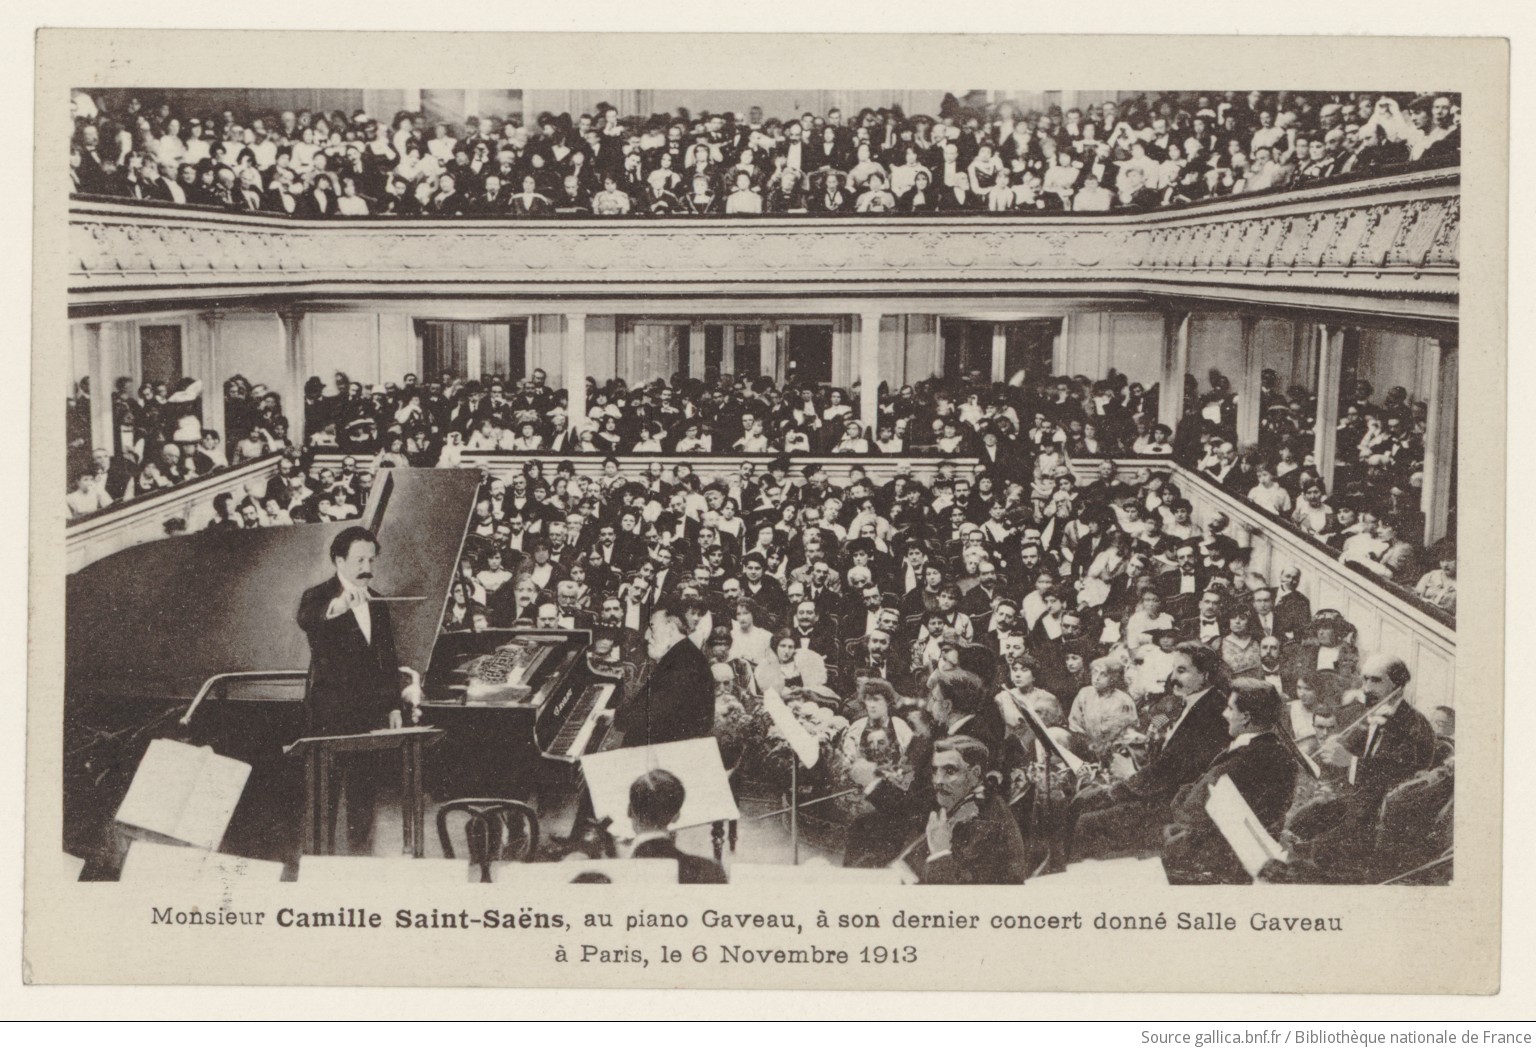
365, 577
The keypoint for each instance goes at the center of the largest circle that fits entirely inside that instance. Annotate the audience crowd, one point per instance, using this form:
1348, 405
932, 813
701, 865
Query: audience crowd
1143, 152
955, 618
982, 607
1024, 434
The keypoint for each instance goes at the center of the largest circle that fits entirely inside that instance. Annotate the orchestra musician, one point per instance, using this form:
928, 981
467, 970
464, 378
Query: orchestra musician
655, 801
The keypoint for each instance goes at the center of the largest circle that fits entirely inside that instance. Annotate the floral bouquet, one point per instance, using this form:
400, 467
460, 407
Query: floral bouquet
768, 757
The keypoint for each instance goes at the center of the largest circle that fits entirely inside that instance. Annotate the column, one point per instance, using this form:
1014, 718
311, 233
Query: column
111, 357
1330, 361
1170, 404
1249, 385
1440, 439
999, 352
696, 361
474, 357
574, 366
728, 350
205, 343
869, 369
296, 369
771, 348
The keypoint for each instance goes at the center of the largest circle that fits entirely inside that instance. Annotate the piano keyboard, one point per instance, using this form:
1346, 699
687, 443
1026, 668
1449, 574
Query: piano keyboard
580, 722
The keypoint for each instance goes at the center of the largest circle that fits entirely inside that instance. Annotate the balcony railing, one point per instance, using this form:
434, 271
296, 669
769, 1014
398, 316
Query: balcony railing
143, 518
1385, 239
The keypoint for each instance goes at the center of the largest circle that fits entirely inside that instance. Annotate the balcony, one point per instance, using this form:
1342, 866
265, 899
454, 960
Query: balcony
1388, 245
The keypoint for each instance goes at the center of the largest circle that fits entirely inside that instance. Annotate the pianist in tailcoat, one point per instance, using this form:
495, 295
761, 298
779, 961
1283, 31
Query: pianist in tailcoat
677, 701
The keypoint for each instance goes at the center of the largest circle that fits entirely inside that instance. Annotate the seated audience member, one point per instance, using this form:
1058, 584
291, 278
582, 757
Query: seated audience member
1103, 709
1127, 818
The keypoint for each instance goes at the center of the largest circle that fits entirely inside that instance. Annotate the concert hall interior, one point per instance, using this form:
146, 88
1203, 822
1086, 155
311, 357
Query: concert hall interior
890, 486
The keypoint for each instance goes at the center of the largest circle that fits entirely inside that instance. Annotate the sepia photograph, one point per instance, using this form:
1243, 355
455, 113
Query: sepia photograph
842, 491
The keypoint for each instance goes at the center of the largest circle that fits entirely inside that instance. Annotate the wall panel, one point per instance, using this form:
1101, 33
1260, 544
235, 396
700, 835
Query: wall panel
252, 345
349, 343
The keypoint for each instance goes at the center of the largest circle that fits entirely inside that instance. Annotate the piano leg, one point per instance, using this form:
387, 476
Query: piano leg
732, 829
717, 836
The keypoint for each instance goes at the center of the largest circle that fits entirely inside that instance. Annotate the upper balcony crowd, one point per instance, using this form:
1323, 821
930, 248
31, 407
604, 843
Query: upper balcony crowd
1150, 151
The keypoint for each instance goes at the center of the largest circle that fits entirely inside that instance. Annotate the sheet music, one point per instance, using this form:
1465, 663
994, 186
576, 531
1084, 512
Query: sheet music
696, 762
1043, 740
1250, 841
800, 740
215, 795
184, 792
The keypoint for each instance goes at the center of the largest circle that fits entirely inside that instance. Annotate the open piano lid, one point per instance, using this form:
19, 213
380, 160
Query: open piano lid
160, 618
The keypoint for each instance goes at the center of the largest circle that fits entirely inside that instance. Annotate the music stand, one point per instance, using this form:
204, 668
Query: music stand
1048, 746
318, 831
696, 763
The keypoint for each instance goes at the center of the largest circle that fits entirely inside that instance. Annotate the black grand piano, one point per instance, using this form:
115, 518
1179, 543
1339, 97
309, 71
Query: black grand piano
194, 637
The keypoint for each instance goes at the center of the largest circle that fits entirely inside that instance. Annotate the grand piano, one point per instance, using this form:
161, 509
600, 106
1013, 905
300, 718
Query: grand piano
194, 637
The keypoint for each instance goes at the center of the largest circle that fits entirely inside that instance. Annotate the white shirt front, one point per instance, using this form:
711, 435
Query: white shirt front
364, 615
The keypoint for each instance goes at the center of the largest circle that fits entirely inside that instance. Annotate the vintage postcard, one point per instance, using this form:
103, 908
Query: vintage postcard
838, 513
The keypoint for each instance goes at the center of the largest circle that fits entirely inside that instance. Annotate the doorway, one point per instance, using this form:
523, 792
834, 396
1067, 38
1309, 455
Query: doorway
473, 349
160, 354
808, 354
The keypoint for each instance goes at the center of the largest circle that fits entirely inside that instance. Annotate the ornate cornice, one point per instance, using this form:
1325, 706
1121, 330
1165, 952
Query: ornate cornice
1394, 237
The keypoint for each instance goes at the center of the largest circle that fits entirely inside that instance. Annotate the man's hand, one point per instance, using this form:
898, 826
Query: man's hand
862, 772
940, 833
411, 692
1334, 754
351, 597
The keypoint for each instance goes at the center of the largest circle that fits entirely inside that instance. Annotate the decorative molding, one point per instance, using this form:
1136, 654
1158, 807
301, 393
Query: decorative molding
1392, 238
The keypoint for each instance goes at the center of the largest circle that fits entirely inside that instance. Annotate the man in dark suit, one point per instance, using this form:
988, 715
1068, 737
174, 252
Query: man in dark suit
1325, 647
353, 685
677, 702
1262, 769
1181, 587
1207, 626
655, 801
1293, 610
1128, 817
1393, 743
971, 835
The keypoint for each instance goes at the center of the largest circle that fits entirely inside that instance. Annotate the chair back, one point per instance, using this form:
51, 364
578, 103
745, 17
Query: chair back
494, 831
